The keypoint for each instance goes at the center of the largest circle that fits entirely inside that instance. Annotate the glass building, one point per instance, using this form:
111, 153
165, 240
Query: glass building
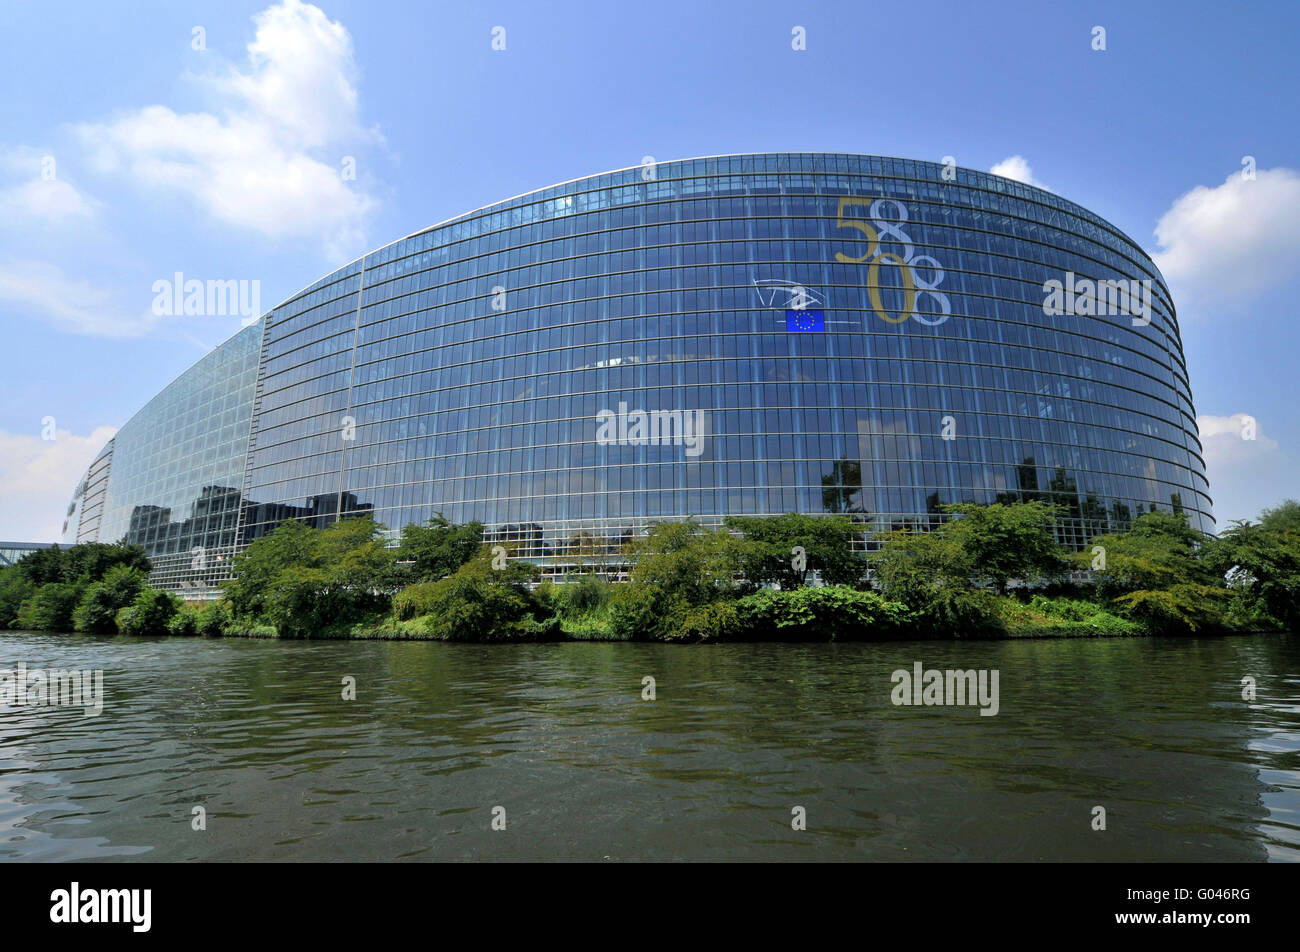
12, 552
171, 478
734, 335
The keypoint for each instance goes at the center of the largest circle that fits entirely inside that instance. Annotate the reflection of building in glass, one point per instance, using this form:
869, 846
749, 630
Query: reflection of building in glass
461, 370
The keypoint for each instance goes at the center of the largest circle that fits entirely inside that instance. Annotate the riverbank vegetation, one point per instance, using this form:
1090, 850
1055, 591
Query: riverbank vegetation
991, 571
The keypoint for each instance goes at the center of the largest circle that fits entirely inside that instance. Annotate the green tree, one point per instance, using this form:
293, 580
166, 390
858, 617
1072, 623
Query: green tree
931, 573
14, 590
1159, 550
303, 580
1283, 518
687, 563
1262, 564
917, 567
766, 555
92, 561
581, 596
1002, 542
438, 548
185, 623
97, 611
50, 607
1158, 572
827, 613
213, 619
43, 565
124, 582
343, 573
99, 605
88, 562
681, 578
478, 602
1177, 608
149, 614
260, 566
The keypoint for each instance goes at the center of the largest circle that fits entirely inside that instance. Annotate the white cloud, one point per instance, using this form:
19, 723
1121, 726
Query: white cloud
1246, 476
271, 160
39, 477
1225, 246
53, 200
304, 76
33, 194
1225, 443
68, 303
1017, 167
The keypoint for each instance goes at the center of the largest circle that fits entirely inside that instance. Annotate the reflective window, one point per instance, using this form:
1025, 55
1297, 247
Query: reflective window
733, 335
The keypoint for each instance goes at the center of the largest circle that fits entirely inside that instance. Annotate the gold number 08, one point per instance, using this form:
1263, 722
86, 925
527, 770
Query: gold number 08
873, 256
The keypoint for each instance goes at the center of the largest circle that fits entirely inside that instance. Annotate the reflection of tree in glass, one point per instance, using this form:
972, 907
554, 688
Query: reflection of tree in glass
842, 487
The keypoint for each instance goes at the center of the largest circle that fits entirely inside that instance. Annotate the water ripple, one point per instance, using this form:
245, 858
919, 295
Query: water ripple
259, 735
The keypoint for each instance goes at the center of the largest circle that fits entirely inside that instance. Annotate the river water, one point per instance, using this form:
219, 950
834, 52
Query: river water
558, 744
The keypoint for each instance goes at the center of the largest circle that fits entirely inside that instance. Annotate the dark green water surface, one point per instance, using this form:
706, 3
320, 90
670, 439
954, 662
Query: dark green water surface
256, 732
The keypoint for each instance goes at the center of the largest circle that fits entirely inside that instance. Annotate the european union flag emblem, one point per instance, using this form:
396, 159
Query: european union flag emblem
803, 321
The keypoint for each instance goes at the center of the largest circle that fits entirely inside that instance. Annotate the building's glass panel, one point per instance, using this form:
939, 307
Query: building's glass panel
12, 552
172, 479
82, 520
463, 369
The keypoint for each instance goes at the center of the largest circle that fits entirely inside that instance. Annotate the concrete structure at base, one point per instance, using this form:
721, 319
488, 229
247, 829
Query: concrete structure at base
746, 334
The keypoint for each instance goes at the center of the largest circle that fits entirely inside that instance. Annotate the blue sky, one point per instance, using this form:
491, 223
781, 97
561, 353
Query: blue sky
224, 163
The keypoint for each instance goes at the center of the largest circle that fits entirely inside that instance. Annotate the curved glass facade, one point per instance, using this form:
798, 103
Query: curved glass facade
735, 335
170, 478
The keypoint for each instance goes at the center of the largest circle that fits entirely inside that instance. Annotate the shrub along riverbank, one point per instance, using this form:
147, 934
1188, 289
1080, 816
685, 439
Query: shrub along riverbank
992, 572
